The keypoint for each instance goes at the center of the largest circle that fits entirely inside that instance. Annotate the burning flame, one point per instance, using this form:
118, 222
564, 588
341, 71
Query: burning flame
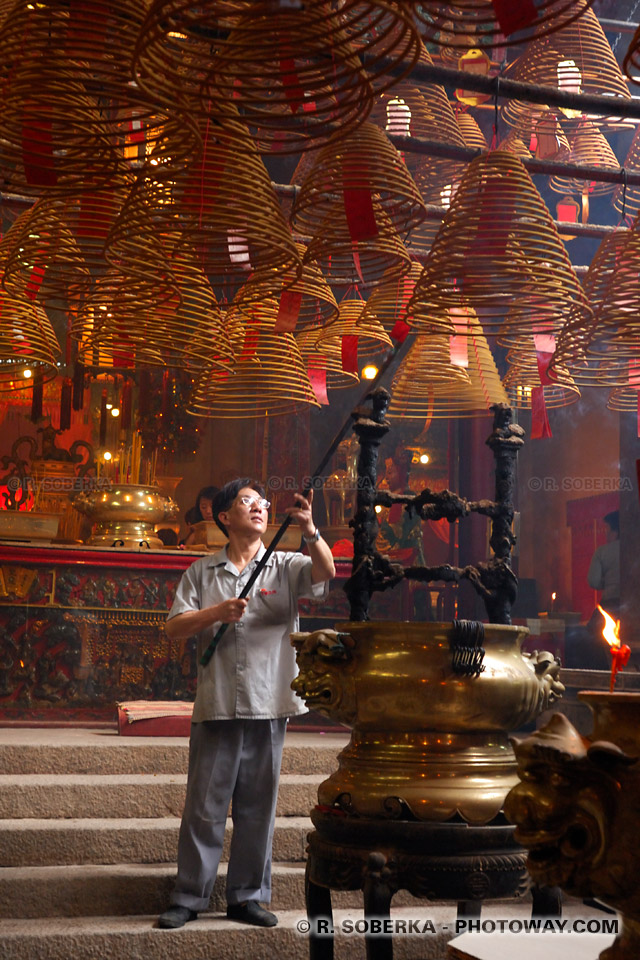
611, 629
554, 595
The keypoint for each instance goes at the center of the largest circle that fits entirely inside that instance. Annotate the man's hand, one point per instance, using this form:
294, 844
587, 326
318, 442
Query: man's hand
230, 611
302, 513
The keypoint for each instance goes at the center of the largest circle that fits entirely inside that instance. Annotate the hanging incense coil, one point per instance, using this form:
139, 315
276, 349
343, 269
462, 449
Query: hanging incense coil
324, 359
49, 138
444, 376
90, 42
42, 259
27, 344
358, 336
304, 298
514, 144
523, 377
498, 252
271, 59
596, 351
269, 376
588, 148
577, 58
362, 261
224, 204
421, 110
124, 322
471, 133
365, 168
388, 302
483, 23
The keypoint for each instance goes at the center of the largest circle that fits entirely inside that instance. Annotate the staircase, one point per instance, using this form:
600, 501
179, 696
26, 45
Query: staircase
88, 839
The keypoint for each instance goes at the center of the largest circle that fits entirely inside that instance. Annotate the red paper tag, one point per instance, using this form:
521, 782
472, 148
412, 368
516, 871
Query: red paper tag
251, 337
318, 377
400, 331
358, 205
350, 354
290, 80
544, 359
514, 15
288, 311
37, 146
87, 29
540, 427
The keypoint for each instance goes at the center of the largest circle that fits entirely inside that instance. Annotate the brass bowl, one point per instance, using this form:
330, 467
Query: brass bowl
427, 742
124, 514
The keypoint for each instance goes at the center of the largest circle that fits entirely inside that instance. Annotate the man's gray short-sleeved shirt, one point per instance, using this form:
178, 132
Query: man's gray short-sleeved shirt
250, 674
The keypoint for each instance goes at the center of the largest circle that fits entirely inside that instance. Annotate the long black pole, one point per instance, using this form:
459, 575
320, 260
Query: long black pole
317, 473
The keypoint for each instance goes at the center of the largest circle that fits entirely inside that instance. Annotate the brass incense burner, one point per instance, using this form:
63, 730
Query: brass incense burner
576, 809
124, 514
430, 737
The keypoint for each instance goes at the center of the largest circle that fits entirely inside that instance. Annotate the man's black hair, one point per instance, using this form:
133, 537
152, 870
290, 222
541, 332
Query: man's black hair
228, 493
613, 520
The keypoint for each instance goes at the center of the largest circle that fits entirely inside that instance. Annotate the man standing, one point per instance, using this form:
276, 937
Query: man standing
243, 700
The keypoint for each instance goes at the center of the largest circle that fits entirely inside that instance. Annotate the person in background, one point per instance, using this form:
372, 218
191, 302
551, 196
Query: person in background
243, 699
604, 570
201, 511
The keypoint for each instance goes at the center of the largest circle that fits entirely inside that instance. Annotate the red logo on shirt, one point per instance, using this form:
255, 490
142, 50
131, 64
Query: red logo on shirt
267, 593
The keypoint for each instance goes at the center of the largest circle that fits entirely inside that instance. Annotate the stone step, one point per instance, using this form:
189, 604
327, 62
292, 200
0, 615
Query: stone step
127, 889
55, 751
77, 795
210, 937
44, 842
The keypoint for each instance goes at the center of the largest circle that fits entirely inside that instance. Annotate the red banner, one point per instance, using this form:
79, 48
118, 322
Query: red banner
288, 311
350, 354
358, 204
318, 377
513, 15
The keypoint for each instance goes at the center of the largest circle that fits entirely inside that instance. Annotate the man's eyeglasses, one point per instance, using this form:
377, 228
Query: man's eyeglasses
249, 501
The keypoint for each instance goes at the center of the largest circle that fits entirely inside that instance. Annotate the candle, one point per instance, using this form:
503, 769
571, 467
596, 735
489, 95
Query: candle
553, 601
620, 653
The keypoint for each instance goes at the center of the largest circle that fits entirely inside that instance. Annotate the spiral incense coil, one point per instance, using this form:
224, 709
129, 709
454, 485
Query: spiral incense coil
224, 204
388, 302
367, 173
365, 261
367, 335
420, 110
499, 252
588, 148
42, 259
577, 58
523, 376
514, 144
123, 321
472, 135
625, 399
596, 352
269, 376
50, 140
272, 60
27, 343
436, 379
325, 357
483, 23
304, 298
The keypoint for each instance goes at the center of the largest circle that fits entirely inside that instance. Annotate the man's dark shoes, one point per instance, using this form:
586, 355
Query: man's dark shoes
176, 917
251, 912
